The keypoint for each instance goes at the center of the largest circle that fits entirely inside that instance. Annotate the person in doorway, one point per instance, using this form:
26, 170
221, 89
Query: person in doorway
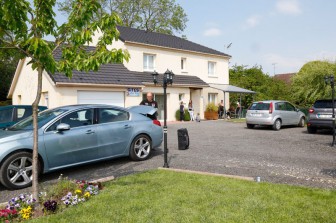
221, 109
149, 101
191, 110
181, 111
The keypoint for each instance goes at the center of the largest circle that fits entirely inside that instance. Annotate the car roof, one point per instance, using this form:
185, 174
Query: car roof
269, 101
76, 106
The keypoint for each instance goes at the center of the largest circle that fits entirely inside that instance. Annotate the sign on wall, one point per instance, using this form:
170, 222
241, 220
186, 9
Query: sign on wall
133, 92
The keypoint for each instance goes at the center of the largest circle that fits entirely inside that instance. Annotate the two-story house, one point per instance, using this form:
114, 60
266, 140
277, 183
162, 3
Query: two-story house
195, 68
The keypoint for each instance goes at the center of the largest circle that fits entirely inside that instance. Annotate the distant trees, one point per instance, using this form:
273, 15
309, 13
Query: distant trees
9, 59
255, 79
308, 84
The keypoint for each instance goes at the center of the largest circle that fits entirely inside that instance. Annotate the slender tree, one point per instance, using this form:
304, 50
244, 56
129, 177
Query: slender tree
164, 16
24, 26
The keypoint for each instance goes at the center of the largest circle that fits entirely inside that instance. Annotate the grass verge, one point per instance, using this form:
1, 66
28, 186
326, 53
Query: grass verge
164, 196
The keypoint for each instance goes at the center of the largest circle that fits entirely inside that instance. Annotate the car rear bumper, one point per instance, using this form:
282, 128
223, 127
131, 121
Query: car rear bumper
259, 121
320, 123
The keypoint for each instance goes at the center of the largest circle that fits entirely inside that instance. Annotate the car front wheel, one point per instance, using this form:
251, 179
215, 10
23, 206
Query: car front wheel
141, 148
277, 125
17, 171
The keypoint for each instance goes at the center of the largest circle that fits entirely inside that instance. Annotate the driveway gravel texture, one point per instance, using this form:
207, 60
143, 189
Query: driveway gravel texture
289, 156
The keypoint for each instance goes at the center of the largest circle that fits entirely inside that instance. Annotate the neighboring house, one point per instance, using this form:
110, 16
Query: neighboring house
287, 78
195, 68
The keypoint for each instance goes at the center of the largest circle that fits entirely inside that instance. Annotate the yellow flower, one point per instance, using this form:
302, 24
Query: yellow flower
87, 195
26, 212
78, 192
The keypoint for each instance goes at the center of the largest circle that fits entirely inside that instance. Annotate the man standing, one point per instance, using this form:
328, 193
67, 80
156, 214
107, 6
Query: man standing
149, 101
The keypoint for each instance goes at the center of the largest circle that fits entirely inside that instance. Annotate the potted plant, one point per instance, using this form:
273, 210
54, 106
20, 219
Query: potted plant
211, 111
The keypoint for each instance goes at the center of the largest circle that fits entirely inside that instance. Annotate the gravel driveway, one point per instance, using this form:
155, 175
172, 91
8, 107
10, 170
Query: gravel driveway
288, 156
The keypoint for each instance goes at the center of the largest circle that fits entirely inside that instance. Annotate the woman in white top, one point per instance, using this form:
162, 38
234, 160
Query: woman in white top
191, 110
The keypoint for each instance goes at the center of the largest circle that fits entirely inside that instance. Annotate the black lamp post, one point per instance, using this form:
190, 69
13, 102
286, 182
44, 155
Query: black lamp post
168, 77
330, 80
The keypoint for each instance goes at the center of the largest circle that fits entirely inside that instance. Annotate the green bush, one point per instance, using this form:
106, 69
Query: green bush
211, 107
186, 115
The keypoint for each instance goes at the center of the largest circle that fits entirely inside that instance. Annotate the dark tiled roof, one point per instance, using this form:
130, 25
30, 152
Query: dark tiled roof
118, 74
163, 40
107, 74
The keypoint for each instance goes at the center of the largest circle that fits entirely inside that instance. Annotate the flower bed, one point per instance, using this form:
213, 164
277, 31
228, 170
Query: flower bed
62, 195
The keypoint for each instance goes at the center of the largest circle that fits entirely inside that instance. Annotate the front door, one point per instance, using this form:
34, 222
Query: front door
160, 100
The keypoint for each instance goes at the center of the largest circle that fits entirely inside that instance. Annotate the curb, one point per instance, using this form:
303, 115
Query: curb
208, 174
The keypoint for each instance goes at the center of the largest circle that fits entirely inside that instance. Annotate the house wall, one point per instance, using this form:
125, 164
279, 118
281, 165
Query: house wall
26, 87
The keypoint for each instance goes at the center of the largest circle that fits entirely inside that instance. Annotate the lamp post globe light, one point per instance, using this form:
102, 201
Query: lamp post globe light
168, 77
330, 80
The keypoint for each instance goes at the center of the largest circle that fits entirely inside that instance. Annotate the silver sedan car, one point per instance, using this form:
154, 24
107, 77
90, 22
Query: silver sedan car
74, 135
274, 113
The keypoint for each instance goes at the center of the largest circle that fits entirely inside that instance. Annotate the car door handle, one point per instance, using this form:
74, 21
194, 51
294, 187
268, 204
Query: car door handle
127, 126
90, 132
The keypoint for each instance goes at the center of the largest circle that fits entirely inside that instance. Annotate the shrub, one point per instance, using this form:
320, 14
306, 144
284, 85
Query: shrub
186, 115
211, 107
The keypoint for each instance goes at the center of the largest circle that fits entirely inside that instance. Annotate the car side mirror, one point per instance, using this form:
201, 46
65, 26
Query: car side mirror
297, 110
62, 127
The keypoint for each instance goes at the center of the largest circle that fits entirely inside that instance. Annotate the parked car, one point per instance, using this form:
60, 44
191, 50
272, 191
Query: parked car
74, 135
11, 114
320, 116
274, 113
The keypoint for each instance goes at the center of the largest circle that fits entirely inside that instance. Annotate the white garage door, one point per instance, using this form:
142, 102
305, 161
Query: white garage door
101, 97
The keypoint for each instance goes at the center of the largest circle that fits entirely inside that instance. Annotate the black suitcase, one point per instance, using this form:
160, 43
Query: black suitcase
183, 139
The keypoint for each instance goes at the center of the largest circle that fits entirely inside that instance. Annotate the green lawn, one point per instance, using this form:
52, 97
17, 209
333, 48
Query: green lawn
166, 196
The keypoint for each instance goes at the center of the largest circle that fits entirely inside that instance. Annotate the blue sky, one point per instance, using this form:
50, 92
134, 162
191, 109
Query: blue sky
280, 34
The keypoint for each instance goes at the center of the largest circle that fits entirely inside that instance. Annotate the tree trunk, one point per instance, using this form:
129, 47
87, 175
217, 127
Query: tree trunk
35, 126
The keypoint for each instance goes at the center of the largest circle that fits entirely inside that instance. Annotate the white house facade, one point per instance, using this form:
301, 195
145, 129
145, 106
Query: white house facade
195, 68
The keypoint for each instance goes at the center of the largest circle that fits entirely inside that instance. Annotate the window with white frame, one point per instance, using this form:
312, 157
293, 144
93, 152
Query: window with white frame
149, 62
183, 64
211, 68
212, 97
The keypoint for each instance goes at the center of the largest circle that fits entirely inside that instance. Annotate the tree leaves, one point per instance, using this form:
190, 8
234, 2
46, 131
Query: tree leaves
254, 79
309, 85
164, 16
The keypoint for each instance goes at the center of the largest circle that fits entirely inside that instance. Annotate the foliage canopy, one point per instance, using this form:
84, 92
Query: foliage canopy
164, 16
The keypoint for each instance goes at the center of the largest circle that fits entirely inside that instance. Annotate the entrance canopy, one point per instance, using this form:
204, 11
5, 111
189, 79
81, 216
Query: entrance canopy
231, 89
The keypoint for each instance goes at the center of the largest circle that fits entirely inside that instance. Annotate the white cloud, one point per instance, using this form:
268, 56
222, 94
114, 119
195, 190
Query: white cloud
253, 21
291, 7
212, 32
284, 64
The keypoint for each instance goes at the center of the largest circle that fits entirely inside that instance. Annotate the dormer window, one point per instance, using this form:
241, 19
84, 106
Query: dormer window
148, 62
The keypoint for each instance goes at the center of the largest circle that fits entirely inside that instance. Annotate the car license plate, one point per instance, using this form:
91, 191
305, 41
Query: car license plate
324, 116
256, 114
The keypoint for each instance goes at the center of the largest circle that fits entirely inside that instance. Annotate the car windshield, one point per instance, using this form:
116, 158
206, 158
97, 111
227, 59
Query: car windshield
42, 117
259, 106
323, 104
